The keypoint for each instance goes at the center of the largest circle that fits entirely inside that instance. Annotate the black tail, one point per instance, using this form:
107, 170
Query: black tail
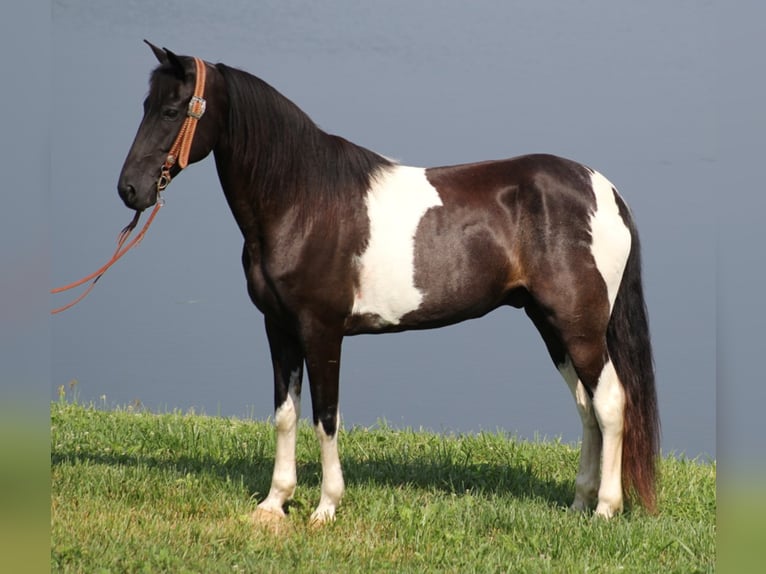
631, 352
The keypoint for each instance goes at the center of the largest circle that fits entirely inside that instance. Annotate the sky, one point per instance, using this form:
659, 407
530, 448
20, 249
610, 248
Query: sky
655, 96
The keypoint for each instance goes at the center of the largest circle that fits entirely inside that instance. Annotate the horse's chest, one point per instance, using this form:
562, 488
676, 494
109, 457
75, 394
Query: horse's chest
395, 203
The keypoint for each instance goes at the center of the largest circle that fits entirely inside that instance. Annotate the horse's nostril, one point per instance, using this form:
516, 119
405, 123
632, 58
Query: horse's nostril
127, 192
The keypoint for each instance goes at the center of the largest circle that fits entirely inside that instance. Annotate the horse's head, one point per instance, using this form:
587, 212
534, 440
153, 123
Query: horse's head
165, 111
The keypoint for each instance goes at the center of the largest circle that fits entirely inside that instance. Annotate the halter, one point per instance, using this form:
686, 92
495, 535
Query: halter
179, 153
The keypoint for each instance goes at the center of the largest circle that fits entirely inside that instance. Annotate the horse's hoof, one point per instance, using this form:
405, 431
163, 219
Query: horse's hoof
267, 518
606, 511
320, 518
578, 506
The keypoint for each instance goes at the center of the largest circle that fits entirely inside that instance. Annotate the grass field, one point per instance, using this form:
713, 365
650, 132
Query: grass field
134, 491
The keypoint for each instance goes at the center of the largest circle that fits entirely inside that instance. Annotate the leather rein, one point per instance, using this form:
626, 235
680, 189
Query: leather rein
178, 154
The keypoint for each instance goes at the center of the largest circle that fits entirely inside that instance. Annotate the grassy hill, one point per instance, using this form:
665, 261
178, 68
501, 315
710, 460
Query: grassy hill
134, 491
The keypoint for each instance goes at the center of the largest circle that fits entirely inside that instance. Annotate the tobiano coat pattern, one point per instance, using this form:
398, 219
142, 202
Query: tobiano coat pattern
339, 241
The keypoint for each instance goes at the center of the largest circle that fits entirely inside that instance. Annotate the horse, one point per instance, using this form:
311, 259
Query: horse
341, 241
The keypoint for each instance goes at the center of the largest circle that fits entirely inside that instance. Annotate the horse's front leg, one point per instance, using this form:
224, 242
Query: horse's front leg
323, 345
287, 360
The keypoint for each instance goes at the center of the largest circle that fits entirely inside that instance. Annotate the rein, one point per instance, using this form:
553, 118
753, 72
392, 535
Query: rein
178, 154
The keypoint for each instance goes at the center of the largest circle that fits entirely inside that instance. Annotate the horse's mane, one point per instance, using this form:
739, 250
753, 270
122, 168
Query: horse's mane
286, 157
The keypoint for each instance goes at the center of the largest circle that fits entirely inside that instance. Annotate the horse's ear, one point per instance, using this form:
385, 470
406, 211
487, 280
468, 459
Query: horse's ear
175, 61
159, 53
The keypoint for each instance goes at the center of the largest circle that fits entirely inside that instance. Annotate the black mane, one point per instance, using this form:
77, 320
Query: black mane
290, 159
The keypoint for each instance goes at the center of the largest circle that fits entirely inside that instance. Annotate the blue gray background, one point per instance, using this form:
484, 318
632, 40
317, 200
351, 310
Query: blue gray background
641, 92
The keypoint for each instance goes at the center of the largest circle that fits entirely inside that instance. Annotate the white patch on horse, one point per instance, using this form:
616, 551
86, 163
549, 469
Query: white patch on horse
396, 202
285, 477
610, 238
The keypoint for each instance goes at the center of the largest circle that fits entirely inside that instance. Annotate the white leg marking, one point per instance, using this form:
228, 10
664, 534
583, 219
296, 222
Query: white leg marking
332, 477
396, 202
587, 481
610, 238
609, 405
285, 478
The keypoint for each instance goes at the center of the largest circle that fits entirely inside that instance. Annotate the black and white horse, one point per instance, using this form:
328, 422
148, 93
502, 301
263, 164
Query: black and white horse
339, 240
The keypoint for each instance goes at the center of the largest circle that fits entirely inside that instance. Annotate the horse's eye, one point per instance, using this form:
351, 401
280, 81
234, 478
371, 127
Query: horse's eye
169, 114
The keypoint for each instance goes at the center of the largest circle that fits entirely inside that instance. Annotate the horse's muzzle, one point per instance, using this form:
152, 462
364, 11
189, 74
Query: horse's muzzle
132, 199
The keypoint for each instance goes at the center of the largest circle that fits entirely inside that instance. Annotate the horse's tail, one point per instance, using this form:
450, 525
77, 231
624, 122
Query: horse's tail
631, 353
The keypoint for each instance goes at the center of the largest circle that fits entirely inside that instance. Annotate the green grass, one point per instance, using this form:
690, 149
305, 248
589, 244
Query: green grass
139, 492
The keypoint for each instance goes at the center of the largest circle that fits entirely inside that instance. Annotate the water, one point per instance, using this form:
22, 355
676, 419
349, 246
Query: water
433, 83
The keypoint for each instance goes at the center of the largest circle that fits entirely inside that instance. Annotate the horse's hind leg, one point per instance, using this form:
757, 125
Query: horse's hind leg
588, 476
585, 342
287, 361
609, 407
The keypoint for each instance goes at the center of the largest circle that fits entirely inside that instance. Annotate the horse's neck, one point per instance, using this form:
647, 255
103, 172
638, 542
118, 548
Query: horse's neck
285, 172
238, 194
